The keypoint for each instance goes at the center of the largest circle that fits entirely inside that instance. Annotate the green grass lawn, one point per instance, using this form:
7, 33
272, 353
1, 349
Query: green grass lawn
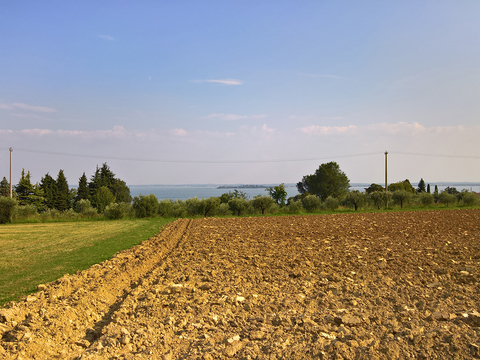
32, 254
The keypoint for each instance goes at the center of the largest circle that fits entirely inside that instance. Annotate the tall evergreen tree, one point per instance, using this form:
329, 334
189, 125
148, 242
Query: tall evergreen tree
428, 188
61, 202
421, 186
24, 188
4, 187
82, 190
49, 187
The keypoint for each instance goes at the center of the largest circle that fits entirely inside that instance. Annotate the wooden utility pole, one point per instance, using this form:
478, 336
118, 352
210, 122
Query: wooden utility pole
386, 182
11, 151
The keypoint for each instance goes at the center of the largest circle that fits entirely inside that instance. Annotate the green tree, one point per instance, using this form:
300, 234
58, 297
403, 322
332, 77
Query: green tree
82, 190
311, 203
402, 185
62, 199
278, 193
469, 198
426, 199
6, 208
4, 187
374, 187
237, 205
145, 206
209, 206
328, 180
331, 203
49, 187
421, 186
121, 191
402, 197
428, 189
236, 194
262, 203
447, 198
380, 198
354, 199
28, 194
103, 197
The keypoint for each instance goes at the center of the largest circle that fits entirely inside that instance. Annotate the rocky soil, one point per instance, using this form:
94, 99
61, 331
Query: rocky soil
360, 286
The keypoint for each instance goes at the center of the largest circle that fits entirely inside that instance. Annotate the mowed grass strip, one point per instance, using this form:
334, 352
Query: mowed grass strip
32, 254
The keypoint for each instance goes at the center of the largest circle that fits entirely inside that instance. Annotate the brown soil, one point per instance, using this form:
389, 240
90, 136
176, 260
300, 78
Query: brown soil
362, 286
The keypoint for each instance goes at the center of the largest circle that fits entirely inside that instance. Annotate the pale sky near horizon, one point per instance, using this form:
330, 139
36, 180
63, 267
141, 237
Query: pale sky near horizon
179, 92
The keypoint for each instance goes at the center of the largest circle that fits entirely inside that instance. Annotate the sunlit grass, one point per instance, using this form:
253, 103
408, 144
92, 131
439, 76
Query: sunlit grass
32, 254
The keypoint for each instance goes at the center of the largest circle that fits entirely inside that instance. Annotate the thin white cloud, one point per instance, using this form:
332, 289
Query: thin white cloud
326, 130
400, 127
106, 37
23, 106
230, 117
179, 132
221, 81
36, 132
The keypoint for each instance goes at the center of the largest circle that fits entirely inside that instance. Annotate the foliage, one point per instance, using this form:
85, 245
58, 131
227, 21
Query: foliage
7, 206
293, 207
121, 191
328, 180
401, 197
24, 212
262, 203
451, 190
236, 194
116, 211
82, 190
469, 198
83, 206
426, 199
237, 206
210, 206
447, 198
374, 187
49, 187
4, 187
145, 206
401, 185
102, 198
311, 203
354, 199
380, 198
278, 193
224, 209
331, 203
421, 186
428, 189
28, 194
62, 198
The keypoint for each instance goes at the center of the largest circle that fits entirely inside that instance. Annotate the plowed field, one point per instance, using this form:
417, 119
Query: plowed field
360, 286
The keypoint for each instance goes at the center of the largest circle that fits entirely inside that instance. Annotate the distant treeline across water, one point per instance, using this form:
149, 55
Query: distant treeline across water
184, 192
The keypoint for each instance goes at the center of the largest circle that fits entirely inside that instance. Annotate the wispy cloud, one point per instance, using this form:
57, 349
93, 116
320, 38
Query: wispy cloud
36, 132
327, 130
106, 37
23, 106
230, 117
179, 132
221, 81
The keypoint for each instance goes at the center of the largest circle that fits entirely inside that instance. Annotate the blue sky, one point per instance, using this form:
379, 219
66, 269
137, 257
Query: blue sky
241, 91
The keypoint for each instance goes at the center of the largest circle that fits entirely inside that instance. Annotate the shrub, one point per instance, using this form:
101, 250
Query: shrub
447, 198
331, 203
426, 199
293, 207
469, 198
263, 203
145, 206
116, 211
7, 206
402, 197
311, 203
237, 206
82, 206
25, 212
354, 199
223, 209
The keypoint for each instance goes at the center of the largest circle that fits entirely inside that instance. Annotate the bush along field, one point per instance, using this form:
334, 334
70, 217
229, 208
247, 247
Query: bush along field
107, 197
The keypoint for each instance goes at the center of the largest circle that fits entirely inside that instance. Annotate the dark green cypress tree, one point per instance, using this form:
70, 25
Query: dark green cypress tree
4, 187
428, 188
82, 191
62, 202
49, 187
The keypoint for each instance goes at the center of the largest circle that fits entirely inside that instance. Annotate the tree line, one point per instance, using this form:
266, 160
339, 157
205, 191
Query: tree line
107, 196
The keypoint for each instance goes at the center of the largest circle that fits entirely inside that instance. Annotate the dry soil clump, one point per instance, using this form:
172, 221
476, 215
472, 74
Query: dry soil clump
362, 286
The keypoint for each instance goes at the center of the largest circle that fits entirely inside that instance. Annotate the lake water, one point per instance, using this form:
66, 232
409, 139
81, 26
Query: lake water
184, 192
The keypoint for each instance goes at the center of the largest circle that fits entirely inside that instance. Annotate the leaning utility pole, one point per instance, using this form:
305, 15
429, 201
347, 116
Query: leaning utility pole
386, 183
11, 151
